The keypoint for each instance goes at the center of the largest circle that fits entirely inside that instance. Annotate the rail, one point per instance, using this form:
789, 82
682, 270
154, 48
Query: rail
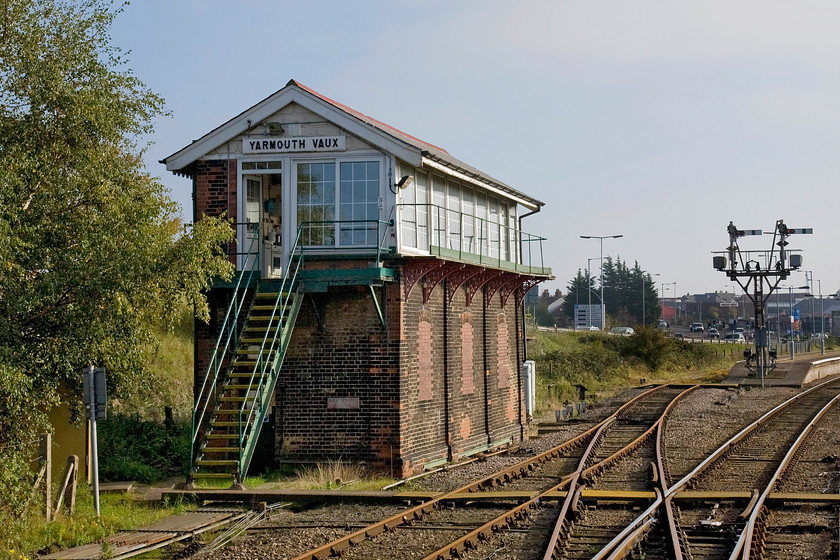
745, 540
269, 356
620, 542
439, 231
206, 398
518, 470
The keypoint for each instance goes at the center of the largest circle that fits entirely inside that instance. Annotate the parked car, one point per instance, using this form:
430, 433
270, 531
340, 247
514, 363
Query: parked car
625, 331
713, 333
696, 327
663, 325
734, 337
589, 328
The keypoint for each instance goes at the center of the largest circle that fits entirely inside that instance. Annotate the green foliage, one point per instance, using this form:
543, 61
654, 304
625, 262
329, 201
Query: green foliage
134, 449
92, 254
623, 289
31, 534
604, 363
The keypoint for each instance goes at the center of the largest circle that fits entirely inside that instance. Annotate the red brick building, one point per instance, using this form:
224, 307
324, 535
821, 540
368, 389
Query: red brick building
376, 315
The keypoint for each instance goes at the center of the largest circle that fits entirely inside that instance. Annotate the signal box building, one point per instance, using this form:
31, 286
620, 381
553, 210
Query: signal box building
376, 312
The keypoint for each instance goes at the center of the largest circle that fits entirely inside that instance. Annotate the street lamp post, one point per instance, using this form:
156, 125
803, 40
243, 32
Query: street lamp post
790, 311
822, 335
674, 297
601, 239
643, 295
589, 292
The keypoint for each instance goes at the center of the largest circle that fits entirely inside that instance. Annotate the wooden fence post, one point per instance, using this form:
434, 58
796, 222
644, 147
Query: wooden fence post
68, 486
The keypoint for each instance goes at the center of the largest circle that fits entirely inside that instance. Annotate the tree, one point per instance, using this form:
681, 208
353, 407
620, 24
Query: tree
577, 293
92, 253
623, 289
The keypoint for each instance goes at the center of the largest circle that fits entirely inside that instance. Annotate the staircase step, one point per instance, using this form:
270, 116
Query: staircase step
216, 462
235, 399
240, 374
224, 424
222, 436
220, 449
240, 387
199, 474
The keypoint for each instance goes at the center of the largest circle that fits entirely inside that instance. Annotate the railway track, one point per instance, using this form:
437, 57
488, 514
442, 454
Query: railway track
592, 453
751, 463
609, 493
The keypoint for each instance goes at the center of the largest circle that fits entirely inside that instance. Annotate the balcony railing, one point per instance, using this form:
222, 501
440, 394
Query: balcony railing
435, 230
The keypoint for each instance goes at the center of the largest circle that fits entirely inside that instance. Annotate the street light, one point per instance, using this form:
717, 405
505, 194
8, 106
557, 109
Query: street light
822, 336
643, 295
790, 312
601, 239
589, 291
674, 297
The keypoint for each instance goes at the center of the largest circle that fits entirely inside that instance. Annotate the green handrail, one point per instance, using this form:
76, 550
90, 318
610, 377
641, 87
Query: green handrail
223, 343
260, 383
381, 226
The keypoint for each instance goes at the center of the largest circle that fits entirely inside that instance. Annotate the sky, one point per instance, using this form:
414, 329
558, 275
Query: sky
659, 121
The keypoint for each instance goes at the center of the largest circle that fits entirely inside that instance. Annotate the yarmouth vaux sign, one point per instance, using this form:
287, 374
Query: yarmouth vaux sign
267, 144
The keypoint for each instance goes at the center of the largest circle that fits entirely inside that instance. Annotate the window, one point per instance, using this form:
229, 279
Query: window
493, 227
344, 216
422, 182
316, 203
468, 218
453, 215
438, 210
261, 165
359, 203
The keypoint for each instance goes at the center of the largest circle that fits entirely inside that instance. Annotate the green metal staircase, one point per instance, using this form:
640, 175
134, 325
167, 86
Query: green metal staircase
239, 385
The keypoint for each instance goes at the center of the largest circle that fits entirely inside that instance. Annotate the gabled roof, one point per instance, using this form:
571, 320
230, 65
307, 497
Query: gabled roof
385, 137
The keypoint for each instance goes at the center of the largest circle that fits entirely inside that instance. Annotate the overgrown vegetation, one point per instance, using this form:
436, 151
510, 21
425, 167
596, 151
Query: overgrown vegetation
604, 364
142, 450
94, 259
26, 536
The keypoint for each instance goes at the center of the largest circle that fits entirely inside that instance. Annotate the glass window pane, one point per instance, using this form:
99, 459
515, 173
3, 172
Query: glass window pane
359, 203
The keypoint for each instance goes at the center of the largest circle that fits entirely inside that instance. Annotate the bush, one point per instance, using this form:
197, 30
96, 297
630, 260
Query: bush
607, 363
134, 449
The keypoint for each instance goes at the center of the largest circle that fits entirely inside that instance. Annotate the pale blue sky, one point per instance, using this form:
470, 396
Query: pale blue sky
658, 120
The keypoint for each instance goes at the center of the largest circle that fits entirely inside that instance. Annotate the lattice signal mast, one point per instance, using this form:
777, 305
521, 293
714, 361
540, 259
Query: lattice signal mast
753, 270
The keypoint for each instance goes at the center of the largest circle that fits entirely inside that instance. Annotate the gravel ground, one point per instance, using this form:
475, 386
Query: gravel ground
699, 423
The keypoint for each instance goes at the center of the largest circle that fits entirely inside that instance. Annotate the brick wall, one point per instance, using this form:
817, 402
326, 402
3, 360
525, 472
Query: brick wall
440, 381
214, 189
461, 385
212, 193
338, 393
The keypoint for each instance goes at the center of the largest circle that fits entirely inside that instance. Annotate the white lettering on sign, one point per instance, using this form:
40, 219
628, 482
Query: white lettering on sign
301, 144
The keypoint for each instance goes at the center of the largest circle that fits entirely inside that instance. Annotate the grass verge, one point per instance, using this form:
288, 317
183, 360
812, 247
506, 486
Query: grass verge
25, 537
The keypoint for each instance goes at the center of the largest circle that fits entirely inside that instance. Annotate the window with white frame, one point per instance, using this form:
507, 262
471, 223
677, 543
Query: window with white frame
359, 203
338, 203
316, 203
437, 211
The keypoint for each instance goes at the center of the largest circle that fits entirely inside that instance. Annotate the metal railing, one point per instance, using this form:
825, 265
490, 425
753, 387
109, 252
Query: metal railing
434, 229
269, 356
306, 230
207, 396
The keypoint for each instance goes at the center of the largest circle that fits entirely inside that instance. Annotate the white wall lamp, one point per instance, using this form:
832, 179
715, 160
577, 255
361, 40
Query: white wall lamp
404, 182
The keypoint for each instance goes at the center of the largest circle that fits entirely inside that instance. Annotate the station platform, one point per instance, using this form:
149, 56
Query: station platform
798, 372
